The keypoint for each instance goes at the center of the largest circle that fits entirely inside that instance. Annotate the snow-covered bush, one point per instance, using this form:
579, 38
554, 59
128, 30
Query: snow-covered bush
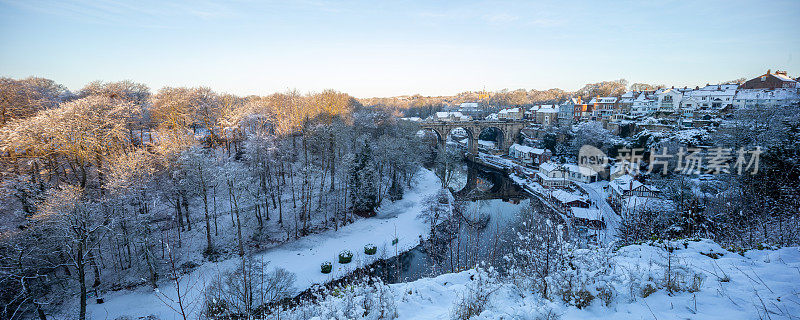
365, 299
370, 249
474, 299
586, 274
326, 267
345, 256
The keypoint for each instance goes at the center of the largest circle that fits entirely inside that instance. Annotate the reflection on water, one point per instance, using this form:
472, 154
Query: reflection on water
481, 231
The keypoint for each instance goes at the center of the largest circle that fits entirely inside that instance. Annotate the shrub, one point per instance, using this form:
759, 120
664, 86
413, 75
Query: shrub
345, 256
712, 255
697, 282
473, 300
605, 294
326, 267
370, 249
648, 290
583, 298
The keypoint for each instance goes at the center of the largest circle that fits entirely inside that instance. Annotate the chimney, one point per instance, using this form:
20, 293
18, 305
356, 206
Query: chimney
780, 72
769, 71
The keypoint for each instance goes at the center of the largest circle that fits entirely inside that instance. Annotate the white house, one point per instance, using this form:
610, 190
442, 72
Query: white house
472, 109
644, 104
581, 174
552, 175
451, 116
750, 98
668, 99
529, 155
689, 106
511, 114
626, 186
713, 97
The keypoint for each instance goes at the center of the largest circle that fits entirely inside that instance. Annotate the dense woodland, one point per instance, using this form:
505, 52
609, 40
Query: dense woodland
421, 106
98, 185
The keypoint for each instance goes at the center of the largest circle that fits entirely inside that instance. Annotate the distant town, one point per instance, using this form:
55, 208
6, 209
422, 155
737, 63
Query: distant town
513, 140
661, 109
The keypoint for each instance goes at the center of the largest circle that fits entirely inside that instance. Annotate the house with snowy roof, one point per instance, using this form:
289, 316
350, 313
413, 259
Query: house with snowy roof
552, 175
668, 100
568, 199
529, 155
770, 80
547, 115
626, 102
627, 186
603, 107
510, 114
566, 111
450, 116
644, 104
626, 99
713, 98
583, 112
753, 98
588, 217
578, 173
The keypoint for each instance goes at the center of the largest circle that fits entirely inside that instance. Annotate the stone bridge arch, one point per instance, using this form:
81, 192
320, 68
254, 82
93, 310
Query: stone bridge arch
509, 129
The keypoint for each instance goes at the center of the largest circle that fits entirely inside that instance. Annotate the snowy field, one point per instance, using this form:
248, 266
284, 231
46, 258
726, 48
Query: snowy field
762, 284
302, 257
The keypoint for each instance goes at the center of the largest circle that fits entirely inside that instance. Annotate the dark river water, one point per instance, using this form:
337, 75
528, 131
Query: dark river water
480, 233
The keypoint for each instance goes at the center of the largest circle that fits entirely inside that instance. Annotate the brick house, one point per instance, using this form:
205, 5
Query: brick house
770, 80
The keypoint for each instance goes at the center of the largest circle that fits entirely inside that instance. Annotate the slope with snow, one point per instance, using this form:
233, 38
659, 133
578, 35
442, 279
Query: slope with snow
302, 257
761, 284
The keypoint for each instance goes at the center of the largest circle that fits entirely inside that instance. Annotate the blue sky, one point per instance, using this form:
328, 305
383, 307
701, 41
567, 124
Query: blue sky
377, 48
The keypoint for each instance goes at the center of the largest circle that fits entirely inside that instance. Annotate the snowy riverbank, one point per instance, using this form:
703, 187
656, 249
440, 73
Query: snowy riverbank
761, 284
302, 257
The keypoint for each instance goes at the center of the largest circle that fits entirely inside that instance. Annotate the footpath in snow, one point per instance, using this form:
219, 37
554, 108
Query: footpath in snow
397, 220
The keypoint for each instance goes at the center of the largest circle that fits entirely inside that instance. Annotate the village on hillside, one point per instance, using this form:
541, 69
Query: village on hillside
593, 198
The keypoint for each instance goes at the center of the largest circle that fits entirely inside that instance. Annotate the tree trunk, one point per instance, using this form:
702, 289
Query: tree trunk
80, 263
186, 211
209, 246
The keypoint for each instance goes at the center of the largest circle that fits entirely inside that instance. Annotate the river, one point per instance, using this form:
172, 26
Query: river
480, 232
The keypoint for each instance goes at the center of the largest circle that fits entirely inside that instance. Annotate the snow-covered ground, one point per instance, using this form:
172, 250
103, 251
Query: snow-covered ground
302, 257
762, 284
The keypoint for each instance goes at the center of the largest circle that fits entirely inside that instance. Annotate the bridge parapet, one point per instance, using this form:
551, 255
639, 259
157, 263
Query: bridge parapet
509, 129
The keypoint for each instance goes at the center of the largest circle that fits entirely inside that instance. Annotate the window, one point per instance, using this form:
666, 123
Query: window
764, 78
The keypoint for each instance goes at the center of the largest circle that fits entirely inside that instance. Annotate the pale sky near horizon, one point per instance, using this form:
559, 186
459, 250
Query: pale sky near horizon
376, 48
